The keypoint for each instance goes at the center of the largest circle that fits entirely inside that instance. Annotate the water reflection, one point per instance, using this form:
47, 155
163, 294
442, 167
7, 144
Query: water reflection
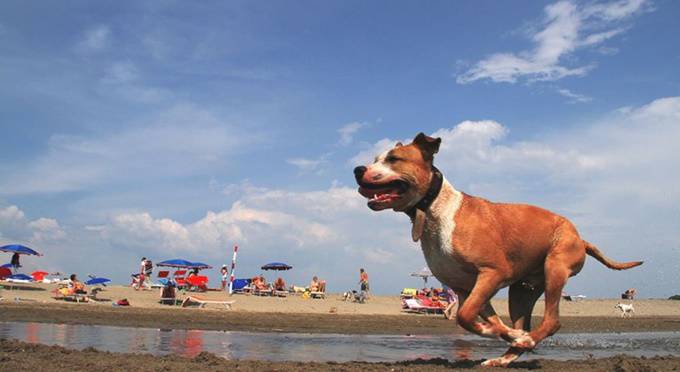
329, 347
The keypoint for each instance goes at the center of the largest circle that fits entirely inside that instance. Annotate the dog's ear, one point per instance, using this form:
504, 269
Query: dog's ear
427, 145
399, 144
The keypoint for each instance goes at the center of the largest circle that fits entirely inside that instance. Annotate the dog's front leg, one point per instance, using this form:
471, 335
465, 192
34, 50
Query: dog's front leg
476, 302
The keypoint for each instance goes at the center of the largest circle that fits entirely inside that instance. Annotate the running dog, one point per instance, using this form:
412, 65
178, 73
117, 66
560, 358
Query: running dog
477, 247
627, 310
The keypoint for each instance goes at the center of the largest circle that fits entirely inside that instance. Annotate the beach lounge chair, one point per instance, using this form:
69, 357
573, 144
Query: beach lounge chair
413, 305
197, 283
62, 292
161, 279
194, 301
180, 278
5, 273
321, 293
240, 286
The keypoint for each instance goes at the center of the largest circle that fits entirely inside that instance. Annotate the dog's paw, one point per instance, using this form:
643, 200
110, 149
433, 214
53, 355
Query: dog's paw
517, 333
524, 342
500, 362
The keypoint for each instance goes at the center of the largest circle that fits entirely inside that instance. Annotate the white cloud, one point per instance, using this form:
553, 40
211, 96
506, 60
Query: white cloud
184, 140
306, 165
15, 227
320, 232
565, 29
95, 39
574, 97
347, 132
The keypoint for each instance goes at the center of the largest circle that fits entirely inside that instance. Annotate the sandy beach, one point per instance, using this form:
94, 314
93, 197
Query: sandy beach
381, 315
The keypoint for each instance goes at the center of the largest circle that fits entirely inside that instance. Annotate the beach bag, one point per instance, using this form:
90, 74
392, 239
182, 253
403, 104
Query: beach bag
123, 302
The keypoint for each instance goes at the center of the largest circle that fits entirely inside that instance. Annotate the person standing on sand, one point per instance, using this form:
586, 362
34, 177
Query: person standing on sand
225, 276
145, 272
452, 300
15, 262
363, 281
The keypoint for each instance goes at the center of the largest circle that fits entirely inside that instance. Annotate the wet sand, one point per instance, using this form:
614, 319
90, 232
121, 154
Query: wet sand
209, 319
382, 315
20, 356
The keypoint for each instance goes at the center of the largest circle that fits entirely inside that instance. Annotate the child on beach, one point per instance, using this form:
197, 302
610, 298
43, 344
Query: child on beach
363, 281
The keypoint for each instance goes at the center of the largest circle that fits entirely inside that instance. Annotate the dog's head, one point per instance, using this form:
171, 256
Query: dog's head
399, 177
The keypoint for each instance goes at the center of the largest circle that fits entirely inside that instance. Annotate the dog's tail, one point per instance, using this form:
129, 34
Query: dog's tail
594, 252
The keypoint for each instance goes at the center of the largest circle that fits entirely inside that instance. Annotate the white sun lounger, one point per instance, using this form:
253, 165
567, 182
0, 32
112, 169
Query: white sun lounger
201, 303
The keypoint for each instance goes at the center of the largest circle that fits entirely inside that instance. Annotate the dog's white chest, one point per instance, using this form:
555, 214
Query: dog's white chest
436, 241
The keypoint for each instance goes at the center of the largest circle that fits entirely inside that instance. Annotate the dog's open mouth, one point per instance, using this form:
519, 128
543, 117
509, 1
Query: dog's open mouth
383, 193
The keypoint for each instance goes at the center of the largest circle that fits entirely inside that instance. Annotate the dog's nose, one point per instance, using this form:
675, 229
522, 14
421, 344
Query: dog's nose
359, 172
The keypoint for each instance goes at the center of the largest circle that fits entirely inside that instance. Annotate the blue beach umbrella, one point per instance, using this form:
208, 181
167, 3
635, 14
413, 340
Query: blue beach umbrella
200, 266
21, 277
277, 266
96, 281
7, 266
177, 262
17, 248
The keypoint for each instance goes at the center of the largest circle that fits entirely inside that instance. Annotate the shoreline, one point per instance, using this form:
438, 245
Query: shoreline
246, 321
21, 356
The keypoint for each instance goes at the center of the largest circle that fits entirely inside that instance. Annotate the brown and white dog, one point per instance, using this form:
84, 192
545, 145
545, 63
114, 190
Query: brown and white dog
477, 247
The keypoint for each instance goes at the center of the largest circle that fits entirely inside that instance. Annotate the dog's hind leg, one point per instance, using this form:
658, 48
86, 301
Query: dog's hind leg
564, 260
521, 302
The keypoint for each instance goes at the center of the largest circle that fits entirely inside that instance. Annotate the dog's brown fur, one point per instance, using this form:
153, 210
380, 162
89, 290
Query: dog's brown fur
492, 245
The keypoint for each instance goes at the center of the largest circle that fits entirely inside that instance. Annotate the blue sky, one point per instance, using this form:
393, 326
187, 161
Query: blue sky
172, 130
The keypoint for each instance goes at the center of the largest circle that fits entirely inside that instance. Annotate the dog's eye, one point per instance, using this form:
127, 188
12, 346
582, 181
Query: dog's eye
392, 159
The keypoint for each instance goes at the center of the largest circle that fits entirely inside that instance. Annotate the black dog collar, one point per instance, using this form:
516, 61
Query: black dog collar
430, 196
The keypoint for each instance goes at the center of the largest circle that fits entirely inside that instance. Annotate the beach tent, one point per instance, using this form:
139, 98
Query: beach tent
17, 248
424, 274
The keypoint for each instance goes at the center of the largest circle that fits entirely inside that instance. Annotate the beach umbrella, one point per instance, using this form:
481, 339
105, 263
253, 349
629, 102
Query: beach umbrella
22, 277
276, 266
7, 266
177, 262
97, 281
17, 248
200, 266
424, 274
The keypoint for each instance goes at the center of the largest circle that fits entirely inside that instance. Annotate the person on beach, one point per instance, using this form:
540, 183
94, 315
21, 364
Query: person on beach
15, 262
168, 294
279, 284
75, 286
363, 281
225, 276
145, 272
314, 285
193, 272
452, 301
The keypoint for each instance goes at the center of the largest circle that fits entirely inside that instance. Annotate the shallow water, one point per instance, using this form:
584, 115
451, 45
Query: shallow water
330, 347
